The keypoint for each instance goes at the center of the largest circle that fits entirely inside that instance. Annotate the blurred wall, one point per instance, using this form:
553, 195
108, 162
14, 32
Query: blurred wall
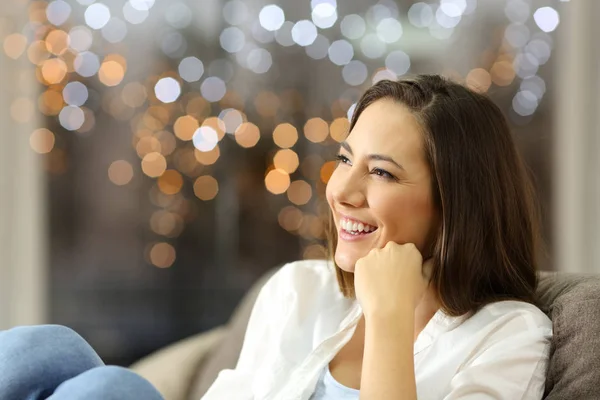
577, 140
22, 196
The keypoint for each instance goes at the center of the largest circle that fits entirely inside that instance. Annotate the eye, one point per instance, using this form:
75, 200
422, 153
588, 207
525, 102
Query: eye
384, 174
343, 159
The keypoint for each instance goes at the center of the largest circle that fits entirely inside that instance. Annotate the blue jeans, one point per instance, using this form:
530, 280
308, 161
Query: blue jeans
55, 363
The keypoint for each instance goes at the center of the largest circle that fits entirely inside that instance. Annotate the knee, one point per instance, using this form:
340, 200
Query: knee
38, 334
45, 350
42, 341
110, 382
36, 359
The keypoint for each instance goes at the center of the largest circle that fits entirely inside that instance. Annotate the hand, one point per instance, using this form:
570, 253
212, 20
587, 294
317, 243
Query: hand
390, 279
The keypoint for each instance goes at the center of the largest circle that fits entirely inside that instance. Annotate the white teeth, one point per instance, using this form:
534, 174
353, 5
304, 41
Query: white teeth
355, 227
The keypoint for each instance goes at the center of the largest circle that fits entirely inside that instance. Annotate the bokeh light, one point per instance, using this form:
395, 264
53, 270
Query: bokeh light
115, 30
339, 129
37, 52
154, 164
290, 218
170, 182
353, 26
286, 160
271, 17
316, 130
205, 138
42, 141
420, 15
341, 52
206, 187
546, 18
299, 192
134, 16
327, 170
285, 135
71, 118
15, 45
58, 12
185, 127
207, 157
247, 134
167, 90
355, 73
478, 79
80, 38
87, 64
57, 42
97, 15
213, 89
111, 72
120, 172
277, 181
304, 32
162, 255
324, 15
191, 69
75, 93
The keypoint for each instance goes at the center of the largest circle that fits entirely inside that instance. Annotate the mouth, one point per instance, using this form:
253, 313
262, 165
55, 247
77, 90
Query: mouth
353, 228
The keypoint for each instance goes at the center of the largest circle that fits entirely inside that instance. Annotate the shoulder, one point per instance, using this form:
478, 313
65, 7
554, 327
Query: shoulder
313, 272
516, 311
303, 280
509, 319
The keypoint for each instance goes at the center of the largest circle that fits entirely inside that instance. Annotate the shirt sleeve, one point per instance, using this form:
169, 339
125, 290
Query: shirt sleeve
509, 365
236, 384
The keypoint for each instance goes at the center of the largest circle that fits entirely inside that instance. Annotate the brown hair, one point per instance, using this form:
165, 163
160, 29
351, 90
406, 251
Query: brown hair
485, 248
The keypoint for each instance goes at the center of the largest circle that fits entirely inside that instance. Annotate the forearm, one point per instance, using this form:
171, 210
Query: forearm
388, 361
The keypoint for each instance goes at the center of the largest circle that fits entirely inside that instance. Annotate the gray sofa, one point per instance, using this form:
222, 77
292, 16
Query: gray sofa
185, 370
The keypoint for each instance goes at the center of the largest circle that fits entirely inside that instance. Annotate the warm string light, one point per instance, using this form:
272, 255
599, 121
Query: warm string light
177, 130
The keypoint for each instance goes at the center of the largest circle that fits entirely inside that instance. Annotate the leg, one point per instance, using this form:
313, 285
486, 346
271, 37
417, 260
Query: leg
106, 383
35, 360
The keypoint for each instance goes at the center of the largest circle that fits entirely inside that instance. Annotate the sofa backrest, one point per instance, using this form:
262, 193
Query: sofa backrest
572, 302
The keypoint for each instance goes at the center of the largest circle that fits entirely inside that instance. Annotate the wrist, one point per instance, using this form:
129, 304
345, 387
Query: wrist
399, 314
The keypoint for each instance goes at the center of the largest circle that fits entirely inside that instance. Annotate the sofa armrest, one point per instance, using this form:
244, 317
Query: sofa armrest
172, 369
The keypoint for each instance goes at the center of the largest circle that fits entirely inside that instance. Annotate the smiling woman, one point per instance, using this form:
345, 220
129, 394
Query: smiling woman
434, 164
370, 187
430, 290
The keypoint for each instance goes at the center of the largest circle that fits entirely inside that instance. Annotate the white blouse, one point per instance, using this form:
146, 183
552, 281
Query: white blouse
301, 320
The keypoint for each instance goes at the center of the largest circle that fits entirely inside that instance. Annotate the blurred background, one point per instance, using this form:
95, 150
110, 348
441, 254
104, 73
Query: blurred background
158, 156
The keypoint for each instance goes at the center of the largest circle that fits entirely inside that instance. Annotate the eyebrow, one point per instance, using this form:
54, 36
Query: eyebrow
380, 157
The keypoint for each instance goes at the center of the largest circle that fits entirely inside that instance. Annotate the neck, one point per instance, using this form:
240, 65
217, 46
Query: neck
425, 310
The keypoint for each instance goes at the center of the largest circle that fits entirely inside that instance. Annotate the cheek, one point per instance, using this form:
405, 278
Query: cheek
405, 218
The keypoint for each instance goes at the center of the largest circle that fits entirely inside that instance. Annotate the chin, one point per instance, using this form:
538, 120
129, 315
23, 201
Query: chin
345, 262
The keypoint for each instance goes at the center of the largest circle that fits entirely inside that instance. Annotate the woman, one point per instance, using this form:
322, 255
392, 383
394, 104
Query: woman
434, 235
430, 294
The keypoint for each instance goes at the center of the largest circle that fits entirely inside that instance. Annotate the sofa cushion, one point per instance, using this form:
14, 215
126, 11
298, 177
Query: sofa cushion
226, 354
572, 301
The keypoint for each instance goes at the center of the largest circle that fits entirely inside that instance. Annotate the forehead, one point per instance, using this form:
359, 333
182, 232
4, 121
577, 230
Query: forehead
387, 127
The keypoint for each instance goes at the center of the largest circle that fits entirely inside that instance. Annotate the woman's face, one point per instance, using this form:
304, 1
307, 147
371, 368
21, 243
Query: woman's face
381, 188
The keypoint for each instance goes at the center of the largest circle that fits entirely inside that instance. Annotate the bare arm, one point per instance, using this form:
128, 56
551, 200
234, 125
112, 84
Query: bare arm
388, 362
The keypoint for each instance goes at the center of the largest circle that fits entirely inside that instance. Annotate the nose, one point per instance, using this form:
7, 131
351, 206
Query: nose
348, 190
